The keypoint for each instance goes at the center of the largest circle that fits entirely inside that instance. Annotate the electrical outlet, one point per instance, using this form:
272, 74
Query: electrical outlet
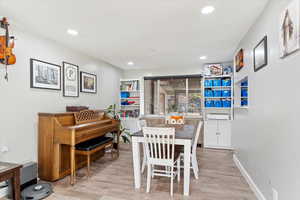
274, 194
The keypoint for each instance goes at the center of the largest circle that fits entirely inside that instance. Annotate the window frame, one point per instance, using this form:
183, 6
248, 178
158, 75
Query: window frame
186, 77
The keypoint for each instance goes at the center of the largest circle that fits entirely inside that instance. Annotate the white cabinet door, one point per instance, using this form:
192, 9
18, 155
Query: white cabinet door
224, 133
210, 133
217, 134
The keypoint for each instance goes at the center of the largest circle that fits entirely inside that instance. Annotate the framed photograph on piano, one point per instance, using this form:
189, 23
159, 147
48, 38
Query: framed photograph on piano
88, 82
70, 80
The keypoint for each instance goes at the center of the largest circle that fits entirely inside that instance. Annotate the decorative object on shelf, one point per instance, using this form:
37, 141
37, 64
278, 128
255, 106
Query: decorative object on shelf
260, 53
289, 29
6, 46
88, 82
239, 60
227, 70
44, 75
175, 119
215, 69
70, 80
130, 85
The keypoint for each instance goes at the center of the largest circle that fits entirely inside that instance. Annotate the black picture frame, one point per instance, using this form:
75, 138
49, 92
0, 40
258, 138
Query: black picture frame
85, 90
33, 84
64, 80
263, 44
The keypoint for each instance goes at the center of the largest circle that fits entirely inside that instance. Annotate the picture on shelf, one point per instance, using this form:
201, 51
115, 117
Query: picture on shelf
260, 53
289, 29
215, 69
70, 80
239, 60
88, 82
44, 75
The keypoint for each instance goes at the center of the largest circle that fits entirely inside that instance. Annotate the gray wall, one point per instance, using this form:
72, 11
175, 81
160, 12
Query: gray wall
19, 104
266, 136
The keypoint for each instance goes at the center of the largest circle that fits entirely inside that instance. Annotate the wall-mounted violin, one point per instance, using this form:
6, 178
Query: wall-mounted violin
6, 47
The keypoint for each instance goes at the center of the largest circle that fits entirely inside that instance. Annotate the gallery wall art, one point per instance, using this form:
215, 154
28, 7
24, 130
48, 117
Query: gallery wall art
260, 54
289, 29
70, 80
239, 60
88, 82
45, 75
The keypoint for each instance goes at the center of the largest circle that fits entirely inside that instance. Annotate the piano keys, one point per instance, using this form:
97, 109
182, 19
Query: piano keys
58, 133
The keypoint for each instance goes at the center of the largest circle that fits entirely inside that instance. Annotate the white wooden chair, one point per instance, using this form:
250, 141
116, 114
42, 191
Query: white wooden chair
140, 125
160, 151
194, 162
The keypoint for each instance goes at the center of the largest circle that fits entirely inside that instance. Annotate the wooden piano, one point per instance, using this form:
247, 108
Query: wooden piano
59, 133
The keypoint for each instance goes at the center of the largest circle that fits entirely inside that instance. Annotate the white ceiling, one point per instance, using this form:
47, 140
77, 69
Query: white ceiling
151, 33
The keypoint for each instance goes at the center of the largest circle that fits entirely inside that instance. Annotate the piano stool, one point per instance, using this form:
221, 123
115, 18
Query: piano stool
89, 147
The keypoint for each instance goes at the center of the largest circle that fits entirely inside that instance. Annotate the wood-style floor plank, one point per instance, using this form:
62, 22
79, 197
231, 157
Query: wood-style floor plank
219, 179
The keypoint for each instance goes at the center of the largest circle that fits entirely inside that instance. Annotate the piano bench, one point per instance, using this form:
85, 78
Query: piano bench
89, 147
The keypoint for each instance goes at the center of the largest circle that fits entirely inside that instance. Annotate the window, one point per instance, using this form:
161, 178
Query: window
165, 95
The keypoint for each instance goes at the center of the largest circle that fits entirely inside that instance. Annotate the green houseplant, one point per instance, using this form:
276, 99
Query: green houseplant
124, 133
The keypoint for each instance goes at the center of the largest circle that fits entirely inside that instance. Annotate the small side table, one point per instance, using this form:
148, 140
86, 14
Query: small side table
11, 171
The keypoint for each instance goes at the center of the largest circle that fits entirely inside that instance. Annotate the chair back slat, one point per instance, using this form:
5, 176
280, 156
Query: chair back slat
159, 144
164, 148
155, 146
159, 149
168, 146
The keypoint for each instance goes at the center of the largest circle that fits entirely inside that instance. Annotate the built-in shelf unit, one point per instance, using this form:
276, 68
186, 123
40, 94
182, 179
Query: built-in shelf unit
217, 111
242, 95
130, 98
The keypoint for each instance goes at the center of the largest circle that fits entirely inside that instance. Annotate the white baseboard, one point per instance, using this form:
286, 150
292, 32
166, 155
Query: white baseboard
248, 178
3, 192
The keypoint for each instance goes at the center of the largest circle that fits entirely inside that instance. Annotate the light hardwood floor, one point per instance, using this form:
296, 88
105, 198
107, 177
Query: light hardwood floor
219, 179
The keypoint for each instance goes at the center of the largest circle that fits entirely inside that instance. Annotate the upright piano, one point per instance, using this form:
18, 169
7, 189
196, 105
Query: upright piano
58, 133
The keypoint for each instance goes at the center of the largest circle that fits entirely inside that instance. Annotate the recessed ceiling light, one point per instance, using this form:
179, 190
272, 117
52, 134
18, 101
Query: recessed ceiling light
203, 57
130, 63
207, 10
72, 32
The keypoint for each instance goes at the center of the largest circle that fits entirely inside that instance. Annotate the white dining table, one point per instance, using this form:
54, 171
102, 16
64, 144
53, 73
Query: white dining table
183, 136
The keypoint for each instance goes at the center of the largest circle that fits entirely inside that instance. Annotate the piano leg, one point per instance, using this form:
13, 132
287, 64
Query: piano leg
72, 165
118, 140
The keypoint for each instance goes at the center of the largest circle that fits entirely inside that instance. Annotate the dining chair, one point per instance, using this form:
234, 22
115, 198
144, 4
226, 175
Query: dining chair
160, 151
140, 125
194, 162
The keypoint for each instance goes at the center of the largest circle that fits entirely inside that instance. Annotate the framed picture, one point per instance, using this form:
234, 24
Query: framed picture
44, 75
215, 69
88, 82
239, 60
289, 29
260, 53
70, 80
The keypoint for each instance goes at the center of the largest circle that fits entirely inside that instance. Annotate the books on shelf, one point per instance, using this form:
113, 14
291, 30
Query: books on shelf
129, 85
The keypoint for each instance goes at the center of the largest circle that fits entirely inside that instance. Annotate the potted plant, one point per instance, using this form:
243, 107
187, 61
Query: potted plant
124, 133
